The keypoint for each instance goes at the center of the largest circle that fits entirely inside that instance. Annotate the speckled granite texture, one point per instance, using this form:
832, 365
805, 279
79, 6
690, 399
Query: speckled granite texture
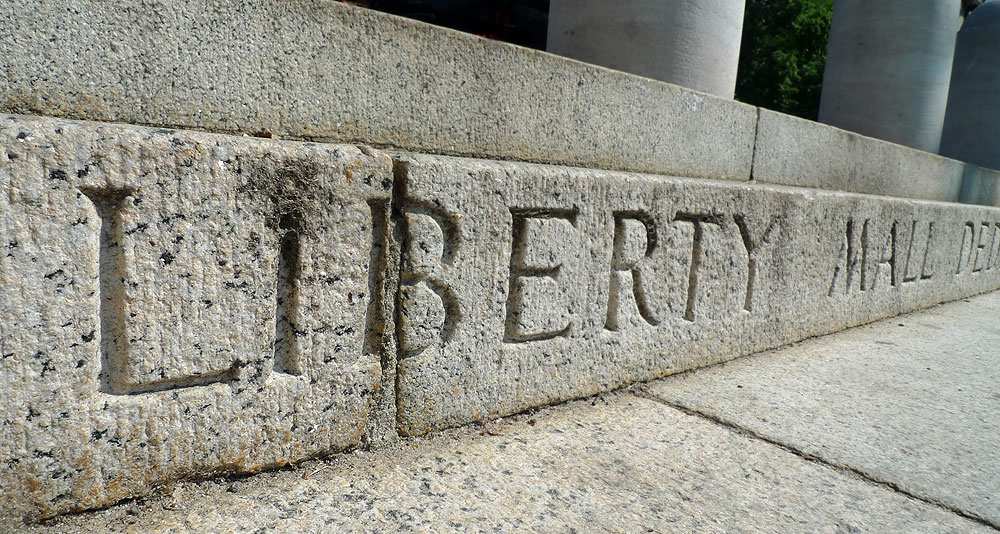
324, 70
523, 285
912, 401
178, 303
619, 464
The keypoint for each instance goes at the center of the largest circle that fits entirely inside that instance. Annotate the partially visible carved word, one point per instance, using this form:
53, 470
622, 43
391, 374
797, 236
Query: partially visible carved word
980, 250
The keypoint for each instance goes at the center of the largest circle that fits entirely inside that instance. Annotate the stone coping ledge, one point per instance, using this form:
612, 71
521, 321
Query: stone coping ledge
980, 186
794, 151
325, 71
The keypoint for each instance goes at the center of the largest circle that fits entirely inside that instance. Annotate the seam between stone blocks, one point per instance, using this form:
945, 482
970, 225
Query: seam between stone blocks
753, 151
643, 393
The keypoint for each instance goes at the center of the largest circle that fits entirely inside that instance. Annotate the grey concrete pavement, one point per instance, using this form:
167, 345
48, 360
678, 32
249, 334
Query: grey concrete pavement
615, 464
830, 435
911, 401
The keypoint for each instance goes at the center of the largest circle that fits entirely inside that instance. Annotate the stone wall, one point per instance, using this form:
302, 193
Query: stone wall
181, 303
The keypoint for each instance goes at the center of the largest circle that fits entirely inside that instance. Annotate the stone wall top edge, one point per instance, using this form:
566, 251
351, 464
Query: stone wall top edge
794, 151
327, 71
979, 182
12, 118
792, 189
980, 185
357, 76
834, 130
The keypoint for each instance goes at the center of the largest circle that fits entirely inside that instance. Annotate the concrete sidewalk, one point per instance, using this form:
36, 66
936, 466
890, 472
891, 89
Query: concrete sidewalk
891, 427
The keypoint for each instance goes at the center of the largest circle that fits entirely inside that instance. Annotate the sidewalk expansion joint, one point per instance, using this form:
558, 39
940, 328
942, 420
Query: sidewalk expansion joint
643, 393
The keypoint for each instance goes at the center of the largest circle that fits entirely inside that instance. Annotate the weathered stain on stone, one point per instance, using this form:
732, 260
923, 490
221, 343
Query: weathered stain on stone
140, 304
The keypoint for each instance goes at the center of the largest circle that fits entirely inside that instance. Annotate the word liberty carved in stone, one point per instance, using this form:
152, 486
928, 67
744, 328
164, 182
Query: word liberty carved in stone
557, 283
537, 306
179, 303
551, 275
186, 302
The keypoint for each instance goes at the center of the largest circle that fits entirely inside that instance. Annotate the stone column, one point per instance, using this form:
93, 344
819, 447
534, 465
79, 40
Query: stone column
887, 69
694, 43
972, 123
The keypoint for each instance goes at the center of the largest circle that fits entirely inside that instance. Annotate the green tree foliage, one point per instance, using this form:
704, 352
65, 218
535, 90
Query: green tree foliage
783, 54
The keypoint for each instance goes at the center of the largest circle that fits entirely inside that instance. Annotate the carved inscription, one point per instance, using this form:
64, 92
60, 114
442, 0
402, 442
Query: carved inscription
754, 247
535, 268
899, 253
178, 302
114, 344
111, 268
846, 269
993, 258
697, 250
635, 239
873, 255
573, 280
885, 258
287, 352
427, 309
980, 249
916, 265
536, 304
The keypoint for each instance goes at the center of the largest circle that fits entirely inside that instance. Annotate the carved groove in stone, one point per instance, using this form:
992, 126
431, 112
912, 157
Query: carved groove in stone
697, 250
752, 247
112, 337
287, 352
427, 309
968, 236
620, 265
378, 277
521, 272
